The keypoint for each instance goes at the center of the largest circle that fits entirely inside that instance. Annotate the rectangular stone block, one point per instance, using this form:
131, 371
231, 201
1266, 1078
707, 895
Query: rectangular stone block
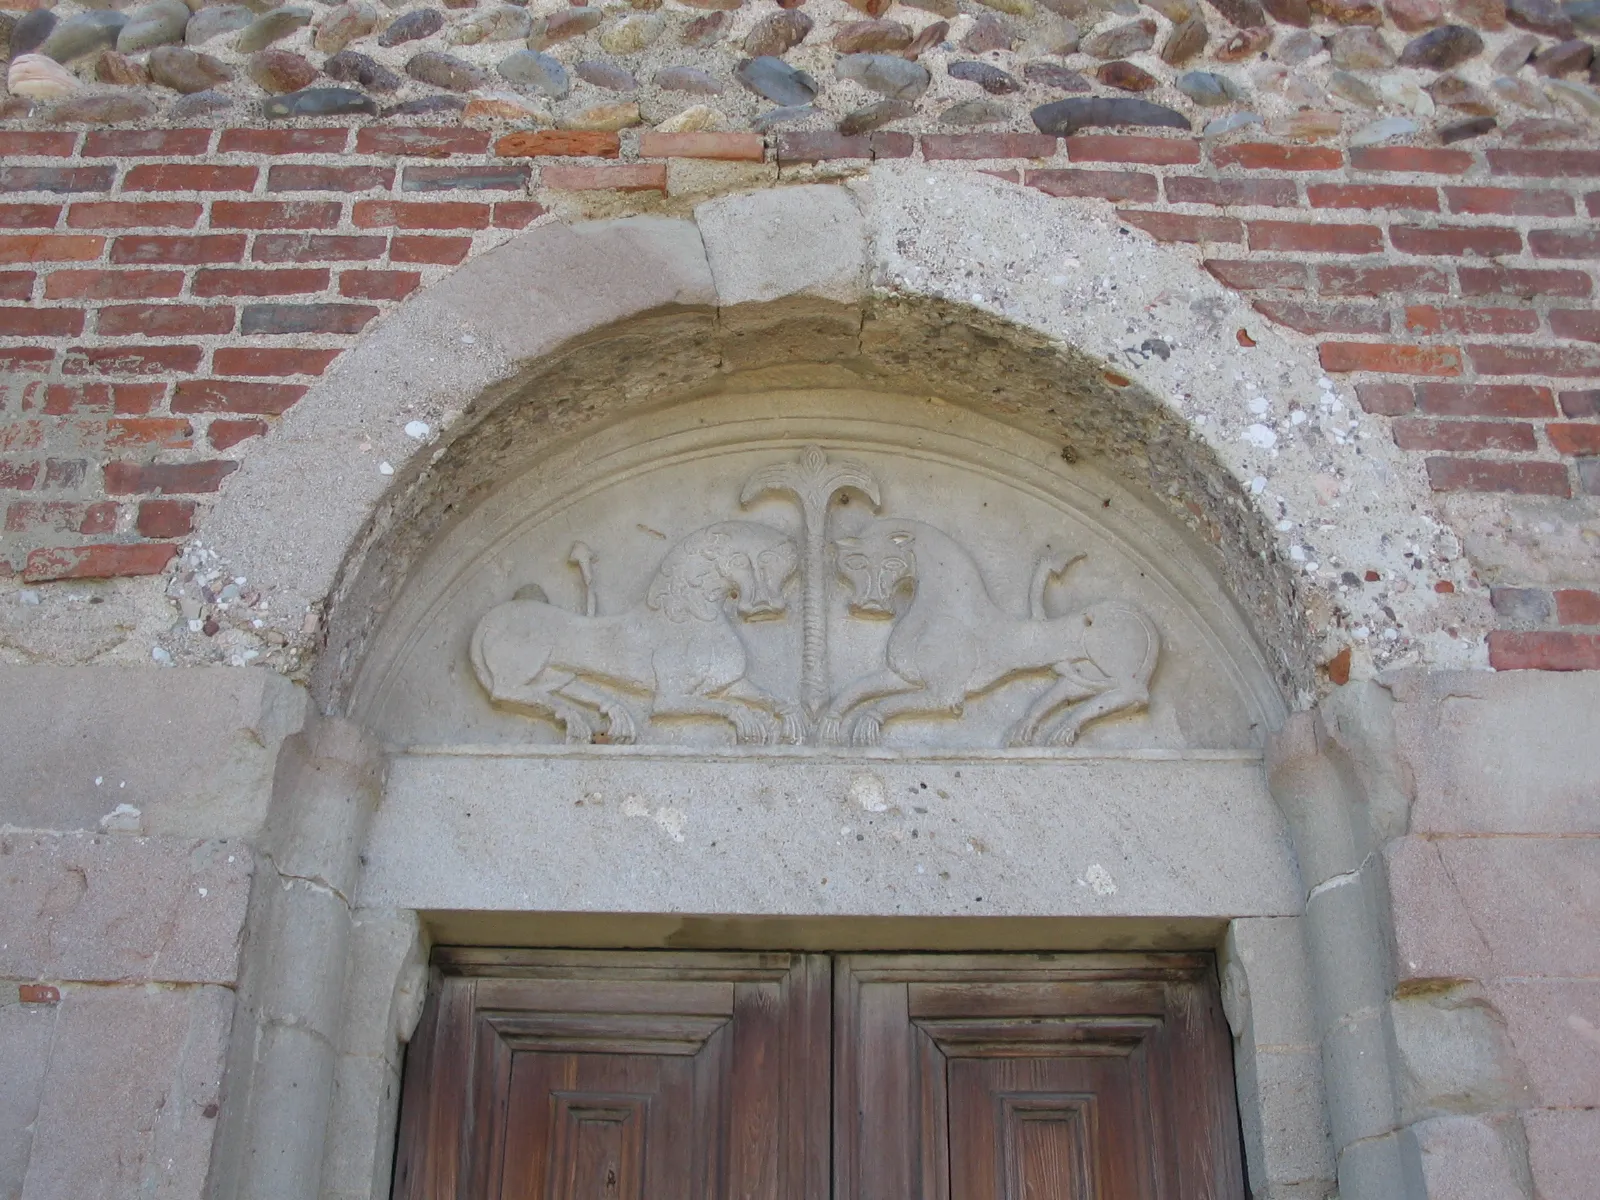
1480, 908
1468, 1158
1554, 1027
26, 1032
1286, 1129
117, 908
130, 1094
1564, 1152
193, 750
1271, 953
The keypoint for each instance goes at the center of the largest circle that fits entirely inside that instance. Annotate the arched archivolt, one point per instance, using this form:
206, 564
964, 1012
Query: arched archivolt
1121, 353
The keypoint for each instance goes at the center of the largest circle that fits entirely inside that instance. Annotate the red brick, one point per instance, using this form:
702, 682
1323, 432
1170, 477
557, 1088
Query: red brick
1179, 227
60, 180
732, 147
314, 247
286, 360
1431, 318
1395, 360
416, 248
822, 145
1488, 241
421, 143
163, 320
62, 399
1576, 440
19, 476
97, 562
19, 436
1148, 151
306, 177
559, 143
1254, 276
968, 146
129, 478
166, 433
234, 396
29, 216
1524, 283
185, 250
1485, 400
517, 214
291, 281
1325, 318
50, 247
40, 322
1544, 651
1577, 606
148, 214
188, 177
1317, 239
1581, 324
1380, 281
1372, 195
224, 433
1464, 437
1196, 189
273, 319
16, 285
1559, 361
61, 516
26, 358
1585, 403
1493, 475
493, 177
1264, 156
130, 360
1592, 202
886, 143
146, 143
1564, 243
1411, 160
378, 285
165, 518
275, 214
112, 285
283, 141
1104, 185
1545, 164
419, 214
16, 144
1386, 399
1509, 202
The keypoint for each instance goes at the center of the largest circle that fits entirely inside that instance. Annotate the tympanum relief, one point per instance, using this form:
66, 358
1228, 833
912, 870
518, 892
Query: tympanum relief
615, 668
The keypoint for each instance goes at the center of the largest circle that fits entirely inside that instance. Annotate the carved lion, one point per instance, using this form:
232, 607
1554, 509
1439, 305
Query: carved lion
676, 653
951, 641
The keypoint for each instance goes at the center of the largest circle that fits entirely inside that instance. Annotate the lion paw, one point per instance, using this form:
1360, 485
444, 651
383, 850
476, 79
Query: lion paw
1022, 735
866, 730
791, 726
1065, 736
830, 731
620, 728
752, 727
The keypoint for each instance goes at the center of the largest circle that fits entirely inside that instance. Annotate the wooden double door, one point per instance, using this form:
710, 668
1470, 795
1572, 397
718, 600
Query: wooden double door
562, 1075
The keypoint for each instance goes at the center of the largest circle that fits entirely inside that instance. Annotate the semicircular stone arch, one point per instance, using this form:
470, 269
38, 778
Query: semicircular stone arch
1123, 356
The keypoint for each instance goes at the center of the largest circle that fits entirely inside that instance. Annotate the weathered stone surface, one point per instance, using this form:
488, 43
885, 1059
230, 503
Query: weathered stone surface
1015, 8
987, 76
1549, 1022
1442, 49
1578, 97
1290, 12
39, 78
687, 79
888, 75
1246, 14
272, 27
351, 66
989, 33
1564, 58
446, 71
875, 116
320, 102
871, 37
1520, 92
1208, 89
1229, 123
1469, 1156
776, 80
942, 8
1404, 94
1298, 47
184, 70
505, 106
705, 31
1247, 43
541, 72
1306, 126
412, 26
1413, 16
1584, 15
216, 20
426, 106
199, 105
563, 24
158, 24
1349, 12
1539, 131
698, 118
1515, 53
1054, 75
103, 109
1540, 16
342, 24
1563, 1152
1461, 131
980, 111
778, 117
1184, 42
1176, 11
1360, 50
280, 71
31, 31
1050, 37
118, 68
1126, 76
1065, 117
777, 33
1120, 41
502, 23
84, 33
633, 34
605, 75
1452, 91
1385, 130
605, 118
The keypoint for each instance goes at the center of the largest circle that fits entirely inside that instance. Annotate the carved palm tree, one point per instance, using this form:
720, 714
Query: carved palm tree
813, 481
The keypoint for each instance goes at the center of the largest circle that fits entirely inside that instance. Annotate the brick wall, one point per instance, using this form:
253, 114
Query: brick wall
166, 295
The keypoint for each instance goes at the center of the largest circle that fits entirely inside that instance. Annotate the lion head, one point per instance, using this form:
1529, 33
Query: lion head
878, 565
741, 561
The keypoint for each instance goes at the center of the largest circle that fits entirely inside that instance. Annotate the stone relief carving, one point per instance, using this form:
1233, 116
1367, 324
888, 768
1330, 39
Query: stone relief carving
680, 652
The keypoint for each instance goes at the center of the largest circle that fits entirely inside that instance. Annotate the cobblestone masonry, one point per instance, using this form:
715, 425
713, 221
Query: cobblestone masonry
168, 290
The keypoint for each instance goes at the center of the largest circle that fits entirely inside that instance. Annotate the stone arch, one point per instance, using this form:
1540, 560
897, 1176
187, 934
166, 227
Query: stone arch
1051, 318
